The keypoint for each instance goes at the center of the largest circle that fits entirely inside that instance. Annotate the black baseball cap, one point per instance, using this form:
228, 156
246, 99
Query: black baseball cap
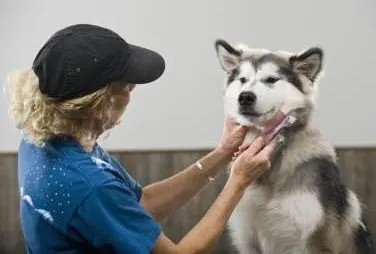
80, 59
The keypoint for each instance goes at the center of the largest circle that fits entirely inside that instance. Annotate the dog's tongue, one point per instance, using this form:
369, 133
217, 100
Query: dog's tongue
274, 125
271, 124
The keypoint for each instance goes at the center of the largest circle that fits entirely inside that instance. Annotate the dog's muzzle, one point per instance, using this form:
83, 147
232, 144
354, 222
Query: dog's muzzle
247, 101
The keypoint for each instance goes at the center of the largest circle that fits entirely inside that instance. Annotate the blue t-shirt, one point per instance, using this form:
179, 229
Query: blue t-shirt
77, 202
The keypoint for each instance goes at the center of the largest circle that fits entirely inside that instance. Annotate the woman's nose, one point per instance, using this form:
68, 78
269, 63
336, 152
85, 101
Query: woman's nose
129, 87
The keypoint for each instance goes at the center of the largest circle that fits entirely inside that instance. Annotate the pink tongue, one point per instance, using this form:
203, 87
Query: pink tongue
271, 124
268, 132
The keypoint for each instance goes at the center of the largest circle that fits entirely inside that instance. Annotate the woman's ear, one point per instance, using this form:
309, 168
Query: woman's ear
228, 56
308, 62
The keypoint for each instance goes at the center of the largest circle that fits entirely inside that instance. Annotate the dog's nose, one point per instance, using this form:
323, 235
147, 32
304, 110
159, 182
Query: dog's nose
247, 98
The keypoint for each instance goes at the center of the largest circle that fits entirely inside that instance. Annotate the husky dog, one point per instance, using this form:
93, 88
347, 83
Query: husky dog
300, 205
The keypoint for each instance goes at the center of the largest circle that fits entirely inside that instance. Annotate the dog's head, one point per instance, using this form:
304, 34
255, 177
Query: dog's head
259, 82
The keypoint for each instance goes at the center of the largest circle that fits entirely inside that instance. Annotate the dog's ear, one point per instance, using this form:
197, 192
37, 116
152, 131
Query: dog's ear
309, 62
228, 56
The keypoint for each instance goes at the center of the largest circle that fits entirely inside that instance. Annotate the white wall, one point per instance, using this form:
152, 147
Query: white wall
183, 109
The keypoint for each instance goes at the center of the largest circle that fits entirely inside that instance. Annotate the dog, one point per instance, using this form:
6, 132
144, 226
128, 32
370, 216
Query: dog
300, 204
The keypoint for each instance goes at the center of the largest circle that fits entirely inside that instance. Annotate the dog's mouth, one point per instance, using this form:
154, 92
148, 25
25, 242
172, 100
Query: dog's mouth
274, 125
252, 115
270, 123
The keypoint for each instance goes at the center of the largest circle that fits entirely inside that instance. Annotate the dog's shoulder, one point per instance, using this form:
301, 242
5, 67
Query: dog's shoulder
322, 175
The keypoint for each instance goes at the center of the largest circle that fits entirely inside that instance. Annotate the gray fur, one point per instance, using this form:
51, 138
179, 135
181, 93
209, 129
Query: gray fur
300, 205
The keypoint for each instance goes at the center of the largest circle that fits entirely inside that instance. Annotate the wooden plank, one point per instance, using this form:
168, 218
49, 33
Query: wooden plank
11, 240
357, 168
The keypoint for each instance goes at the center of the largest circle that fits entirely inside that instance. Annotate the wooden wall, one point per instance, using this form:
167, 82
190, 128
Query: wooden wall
358, 169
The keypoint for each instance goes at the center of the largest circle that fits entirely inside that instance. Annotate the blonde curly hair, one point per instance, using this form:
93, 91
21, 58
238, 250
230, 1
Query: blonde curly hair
40, 118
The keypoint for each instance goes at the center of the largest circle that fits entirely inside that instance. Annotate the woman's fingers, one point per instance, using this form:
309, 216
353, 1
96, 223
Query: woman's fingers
253, 162
236, 154
254, 147
263, 157
267, 151
244, 147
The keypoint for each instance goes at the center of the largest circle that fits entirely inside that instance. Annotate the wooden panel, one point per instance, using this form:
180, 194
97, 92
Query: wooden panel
357, 169
10, 233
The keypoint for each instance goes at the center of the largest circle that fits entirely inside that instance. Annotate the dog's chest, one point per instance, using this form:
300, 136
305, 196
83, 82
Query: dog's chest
252, 205
255, 217
244, 222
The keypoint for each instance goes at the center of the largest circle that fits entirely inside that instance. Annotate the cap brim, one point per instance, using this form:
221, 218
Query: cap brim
144, 65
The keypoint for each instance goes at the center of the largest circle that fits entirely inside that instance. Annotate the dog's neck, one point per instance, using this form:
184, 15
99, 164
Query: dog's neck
302, 142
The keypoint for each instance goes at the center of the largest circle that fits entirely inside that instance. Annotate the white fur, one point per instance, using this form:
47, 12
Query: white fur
246, 70
272, 222
354, 212
241, 222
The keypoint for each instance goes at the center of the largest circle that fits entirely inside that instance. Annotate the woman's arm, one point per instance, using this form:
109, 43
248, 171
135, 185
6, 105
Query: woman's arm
164, 197
203, 235
245, 170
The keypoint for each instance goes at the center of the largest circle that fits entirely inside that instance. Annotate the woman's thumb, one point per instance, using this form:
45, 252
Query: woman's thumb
242, 129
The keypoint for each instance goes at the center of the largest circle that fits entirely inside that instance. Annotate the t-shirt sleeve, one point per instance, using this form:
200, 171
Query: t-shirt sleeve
133, 184
113, 221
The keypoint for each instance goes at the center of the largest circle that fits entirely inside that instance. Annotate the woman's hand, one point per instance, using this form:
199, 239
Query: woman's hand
251, 163
232, 137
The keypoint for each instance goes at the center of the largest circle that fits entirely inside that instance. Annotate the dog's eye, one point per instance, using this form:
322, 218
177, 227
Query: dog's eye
271, 80
243, 80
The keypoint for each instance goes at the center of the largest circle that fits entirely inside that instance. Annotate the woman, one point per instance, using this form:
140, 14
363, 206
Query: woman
75, 197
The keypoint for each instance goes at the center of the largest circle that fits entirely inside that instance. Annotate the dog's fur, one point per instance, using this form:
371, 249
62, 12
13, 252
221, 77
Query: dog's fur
300, 205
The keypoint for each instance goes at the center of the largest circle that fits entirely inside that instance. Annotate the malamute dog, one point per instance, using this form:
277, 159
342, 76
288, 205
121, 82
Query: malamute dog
300, 205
